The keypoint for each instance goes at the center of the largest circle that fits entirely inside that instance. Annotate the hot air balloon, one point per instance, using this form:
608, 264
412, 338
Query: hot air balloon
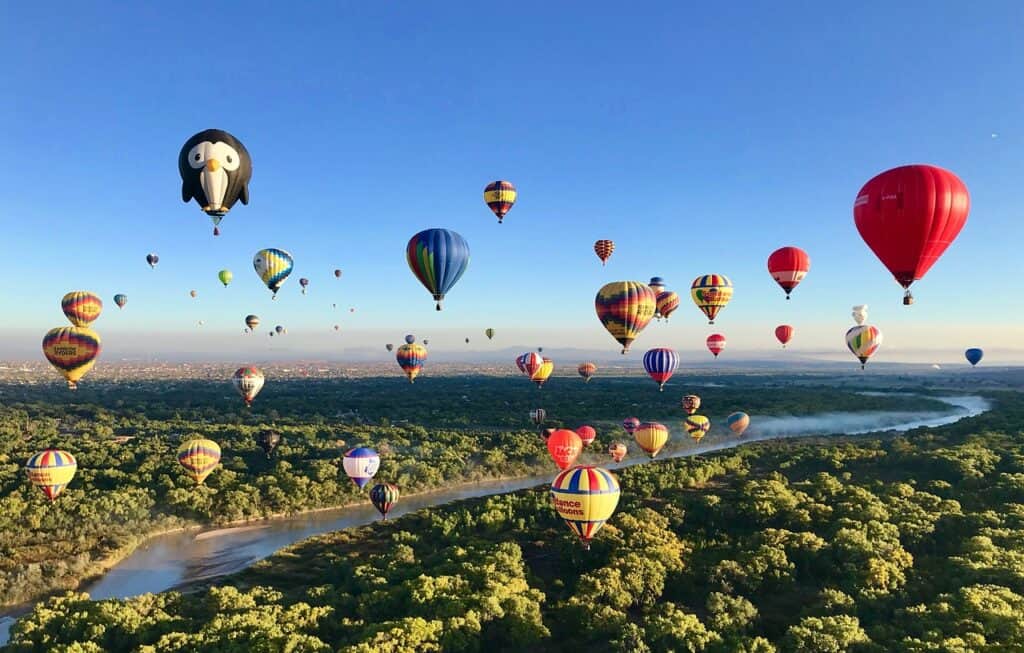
738, 422
81, 307
863, 340
225, 277
489, 333
426, 342
410, 358
531, 362
337, 274
120, 300
697, 426
711, 293
279, 329
651, 436
586, 370
248, 381
215, 170
273, 266
437, 257
667, 303
690, 404
383, 496
585, 497
630, 424
199, 457
543, 372
500, 196
72, 350
193, 294
908, 216
660, 364
51, 470
715, 343
152, 259
268, 441
604, 249
860, 313
304, 282
974, 356
788, 266
389, 346
361, 464
538, 415
618, 450
587, 434
564, 446
252, 321
467, 341
784, 333
409, 339
271, 334
657, 284
625, 308
337, 327
540, 350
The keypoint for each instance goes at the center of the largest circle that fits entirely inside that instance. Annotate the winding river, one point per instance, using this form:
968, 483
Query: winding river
176, 560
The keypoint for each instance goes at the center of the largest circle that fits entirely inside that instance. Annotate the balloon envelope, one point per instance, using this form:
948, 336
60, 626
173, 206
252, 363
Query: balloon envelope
586, 370
410, 358
738, 422
863, 341
711, 292
500, 196
667, 303
651, 436
361, 464
697, 426
225, 277
630, 424
51, 470
215, 170
715, 343
72, 351
199, 457
587, 434
788, 266
974, 355
383, 496
625, 308
661, 364
120, 300
248, 381
618, 450
564, 446
604, 249
273, 267
438, 258
81, 307
784, 333
585, 497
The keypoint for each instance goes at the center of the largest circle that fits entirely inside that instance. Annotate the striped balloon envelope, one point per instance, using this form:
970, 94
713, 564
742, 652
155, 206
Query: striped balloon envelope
538, 415
788, 266
500, 196
531, 362
361, 464
72, 350
863, 341
543, 373
715, 343
120, 300
630, 424
273, 267
438, 258
410, 358
586, 370
383, 496
667, 303
51, 471
738, 422
660, 364
199, 457
81, 307
711, 292
585, 497
697, 426
625, 308
651, 436
604, 249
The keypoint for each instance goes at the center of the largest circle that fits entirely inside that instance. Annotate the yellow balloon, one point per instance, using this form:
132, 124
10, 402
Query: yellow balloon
72, 350
697, 426
199, 457
585, 497
711, 293
543, 372
651, 436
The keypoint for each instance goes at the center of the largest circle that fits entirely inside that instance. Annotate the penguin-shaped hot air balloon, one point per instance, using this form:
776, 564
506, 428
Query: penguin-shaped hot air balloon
215, 171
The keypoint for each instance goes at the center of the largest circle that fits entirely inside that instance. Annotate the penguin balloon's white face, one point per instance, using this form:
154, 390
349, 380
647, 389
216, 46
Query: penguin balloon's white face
225, 155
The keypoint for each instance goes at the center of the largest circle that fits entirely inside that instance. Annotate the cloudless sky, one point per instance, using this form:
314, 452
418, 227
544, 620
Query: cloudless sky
698, 138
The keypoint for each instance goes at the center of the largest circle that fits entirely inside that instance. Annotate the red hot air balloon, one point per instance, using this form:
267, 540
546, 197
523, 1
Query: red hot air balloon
564, 446
784, 333
908, 216
716, 343
587, 434
788, 266
604, 249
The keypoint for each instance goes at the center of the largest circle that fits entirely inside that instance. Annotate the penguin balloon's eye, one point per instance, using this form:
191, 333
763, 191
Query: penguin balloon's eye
226, 155
197, 155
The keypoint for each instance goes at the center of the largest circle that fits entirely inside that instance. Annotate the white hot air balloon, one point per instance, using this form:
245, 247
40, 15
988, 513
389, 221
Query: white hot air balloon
860, 313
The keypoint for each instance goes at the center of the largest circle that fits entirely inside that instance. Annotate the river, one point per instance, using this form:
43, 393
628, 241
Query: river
176, 560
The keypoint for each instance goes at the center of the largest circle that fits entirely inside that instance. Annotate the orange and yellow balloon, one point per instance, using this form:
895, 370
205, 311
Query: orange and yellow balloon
651, 436
543, 372
199, 457
711, 292
625, 308
697, 426
81, 307
72, 351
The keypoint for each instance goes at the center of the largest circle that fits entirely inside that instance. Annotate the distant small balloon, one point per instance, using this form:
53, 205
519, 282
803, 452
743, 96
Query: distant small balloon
152, 259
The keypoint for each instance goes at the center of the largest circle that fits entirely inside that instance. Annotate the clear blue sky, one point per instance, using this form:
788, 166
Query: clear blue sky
698, 138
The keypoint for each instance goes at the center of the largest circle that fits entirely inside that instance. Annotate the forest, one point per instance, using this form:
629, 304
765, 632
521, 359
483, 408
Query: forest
910, 543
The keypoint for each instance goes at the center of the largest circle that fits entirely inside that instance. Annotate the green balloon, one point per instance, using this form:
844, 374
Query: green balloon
225, 277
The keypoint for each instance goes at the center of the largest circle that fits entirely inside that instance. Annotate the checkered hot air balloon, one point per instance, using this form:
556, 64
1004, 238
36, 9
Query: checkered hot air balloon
500, 196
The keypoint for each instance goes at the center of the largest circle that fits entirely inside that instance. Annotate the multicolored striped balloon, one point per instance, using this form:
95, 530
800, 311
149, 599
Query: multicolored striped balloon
411, 357
500, 196
538, 415
863, 341
383, 496
120, 300
361, 464
199, 457
248, 381
273, 267
625, 308
586, 370
738, 422
81, 307
438, 258
543, 373
651, 436
51, 470
660, 364
531, 362
72, 350
667, 303
585, 497
604, 249
697, 426
711, 292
